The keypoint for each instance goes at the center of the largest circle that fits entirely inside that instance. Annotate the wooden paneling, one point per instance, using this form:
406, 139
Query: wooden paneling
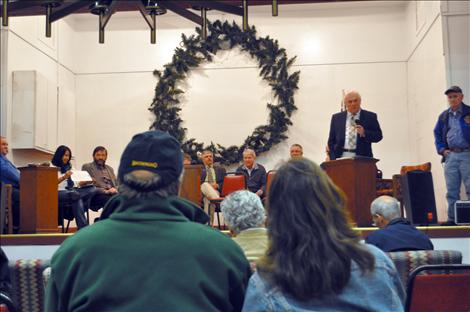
38, 200
357, 178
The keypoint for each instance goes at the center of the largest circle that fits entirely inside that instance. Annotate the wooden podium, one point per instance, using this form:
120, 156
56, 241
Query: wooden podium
357, 178
191, 186
38, 200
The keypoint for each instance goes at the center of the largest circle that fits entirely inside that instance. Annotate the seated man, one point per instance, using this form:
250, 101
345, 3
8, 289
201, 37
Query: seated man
212, 179
254, 172
245, 217
296, 151
103, 176
395, 233
9, 174
152, 253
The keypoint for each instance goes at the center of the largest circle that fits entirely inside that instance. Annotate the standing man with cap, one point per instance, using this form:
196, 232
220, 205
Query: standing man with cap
452, 139
154, 251
353, 131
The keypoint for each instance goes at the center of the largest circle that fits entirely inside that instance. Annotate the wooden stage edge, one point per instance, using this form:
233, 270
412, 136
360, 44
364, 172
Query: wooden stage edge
57, 239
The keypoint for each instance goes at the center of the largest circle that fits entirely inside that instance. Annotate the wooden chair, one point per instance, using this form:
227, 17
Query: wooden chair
269, 179
6, 208
232, 183
449, 283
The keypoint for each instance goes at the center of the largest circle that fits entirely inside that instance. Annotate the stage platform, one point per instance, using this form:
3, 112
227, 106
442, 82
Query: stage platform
57, 239
43, 246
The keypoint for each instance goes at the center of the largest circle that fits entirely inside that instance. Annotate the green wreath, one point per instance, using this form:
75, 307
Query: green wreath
273, 64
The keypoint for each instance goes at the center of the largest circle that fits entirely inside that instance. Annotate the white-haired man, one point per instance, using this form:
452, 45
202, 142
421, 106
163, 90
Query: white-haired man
395, 233
245, 217
254, 172
353, 131
151, 253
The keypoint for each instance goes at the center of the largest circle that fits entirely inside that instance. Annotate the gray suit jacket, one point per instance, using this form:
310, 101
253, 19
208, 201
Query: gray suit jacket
92, 169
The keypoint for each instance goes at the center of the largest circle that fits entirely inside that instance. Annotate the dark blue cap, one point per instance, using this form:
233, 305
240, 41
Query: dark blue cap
453, 89
154, 151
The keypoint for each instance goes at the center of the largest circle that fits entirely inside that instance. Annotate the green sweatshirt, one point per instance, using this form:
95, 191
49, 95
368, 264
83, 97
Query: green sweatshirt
149, 255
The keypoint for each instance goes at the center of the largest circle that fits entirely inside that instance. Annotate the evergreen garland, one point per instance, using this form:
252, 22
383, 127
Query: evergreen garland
273, 64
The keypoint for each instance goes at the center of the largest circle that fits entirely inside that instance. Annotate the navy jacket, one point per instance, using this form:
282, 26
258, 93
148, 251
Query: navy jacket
399, 235
373, 134
219, 175
442, 127
257, 179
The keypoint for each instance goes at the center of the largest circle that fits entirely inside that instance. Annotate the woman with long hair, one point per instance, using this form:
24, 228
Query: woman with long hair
67, 191
315, 260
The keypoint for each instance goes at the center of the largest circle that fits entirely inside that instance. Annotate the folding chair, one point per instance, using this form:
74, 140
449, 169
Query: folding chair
232, 183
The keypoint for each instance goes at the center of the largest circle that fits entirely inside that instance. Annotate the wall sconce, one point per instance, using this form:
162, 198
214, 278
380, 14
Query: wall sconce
153, 9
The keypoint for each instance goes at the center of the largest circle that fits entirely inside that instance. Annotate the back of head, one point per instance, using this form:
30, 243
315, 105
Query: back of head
311, 241
243, 210
151, 165
387, 207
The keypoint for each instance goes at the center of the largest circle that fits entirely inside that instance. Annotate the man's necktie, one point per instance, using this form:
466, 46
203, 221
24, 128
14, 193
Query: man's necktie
352, 133
210, 174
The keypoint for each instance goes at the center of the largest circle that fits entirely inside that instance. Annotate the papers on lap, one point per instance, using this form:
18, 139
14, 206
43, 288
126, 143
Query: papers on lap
81, 176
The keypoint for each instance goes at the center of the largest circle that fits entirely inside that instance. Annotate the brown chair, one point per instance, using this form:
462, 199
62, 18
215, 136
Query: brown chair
269, 179
6, 208
450, 283
232, 183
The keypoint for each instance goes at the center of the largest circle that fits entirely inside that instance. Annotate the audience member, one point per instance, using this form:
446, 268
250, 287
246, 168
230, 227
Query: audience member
5, 281
187, 160
395, 233
244, 214
452, 140
10, 175
152, 253
68, 192
353, 131
103, 177
255, 173
296, 151
212, 179
315, 261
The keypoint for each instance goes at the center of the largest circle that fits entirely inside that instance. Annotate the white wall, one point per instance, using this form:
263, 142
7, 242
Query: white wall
29, 49
456, 24
426, 77
338, 46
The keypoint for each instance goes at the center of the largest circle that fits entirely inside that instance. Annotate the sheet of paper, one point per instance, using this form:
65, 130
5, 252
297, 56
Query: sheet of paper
80, 176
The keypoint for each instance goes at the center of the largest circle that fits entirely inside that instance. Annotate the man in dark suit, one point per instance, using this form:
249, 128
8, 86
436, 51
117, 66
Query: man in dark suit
353, 131
212, 179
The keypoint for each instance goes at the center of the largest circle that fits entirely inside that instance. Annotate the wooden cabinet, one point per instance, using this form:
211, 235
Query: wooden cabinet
34, 112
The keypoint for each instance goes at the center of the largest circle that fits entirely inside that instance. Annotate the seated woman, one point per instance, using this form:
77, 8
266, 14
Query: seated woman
67, 191
315, 261
244, 214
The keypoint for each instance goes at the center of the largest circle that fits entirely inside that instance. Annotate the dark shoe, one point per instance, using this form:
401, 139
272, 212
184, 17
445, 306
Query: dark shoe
449, 223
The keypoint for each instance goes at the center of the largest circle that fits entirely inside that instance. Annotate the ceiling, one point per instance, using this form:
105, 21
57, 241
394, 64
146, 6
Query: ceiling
37, 7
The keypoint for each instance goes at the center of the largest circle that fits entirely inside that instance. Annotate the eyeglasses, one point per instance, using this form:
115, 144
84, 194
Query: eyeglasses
374, 217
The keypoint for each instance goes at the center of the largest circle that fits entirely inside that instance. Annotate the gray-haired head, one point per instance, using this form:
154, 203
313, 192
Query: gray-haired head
146, 184
249, 151
387, 207
243, 210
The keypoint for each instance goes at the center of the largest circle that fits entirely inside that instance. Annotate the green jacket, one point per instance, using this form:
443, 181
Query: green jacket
148, 255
